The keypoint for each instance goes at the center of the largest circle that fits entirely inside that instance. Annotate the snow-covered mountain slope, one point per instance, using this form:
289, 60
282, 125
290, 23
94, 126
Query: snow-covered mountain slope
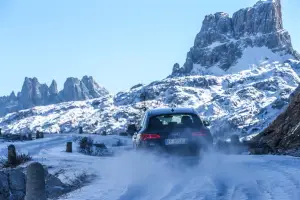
242, 103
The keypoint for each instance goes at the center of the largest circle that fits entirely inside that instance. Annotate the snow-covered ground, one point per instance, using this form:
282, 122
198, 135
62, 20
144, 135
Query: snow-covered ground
130, 175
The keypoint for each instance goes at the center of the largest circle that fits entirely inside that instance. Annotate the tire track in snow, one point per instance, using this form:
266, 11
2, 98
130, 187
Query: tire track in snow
291, 185
177, 188
274, 183
133, 192
250, 191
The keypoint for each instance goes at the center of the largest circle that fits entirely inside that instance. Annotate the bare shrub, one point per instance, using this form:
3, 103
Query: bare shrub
20, 159
88, 147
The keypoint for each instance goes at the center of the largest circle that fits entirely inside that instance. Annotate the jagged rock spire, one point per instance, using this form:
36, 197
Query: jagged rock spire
223, 39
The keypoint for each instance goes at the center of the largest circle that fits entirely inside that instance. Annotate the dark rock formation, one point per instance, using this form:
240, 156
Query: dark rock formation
4, 186
17, 182
54, 187
284, 132
34, 182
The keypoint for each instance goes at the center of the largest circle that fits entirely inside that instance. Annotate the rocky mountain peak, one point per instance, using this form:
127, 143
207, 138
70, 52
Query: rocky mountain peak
264, 17
176, 67
33, 93
30, 94
72, 82
89, 82
53, 93
222, 40
86, 88
13, 96
73, 90
53, 87
95, 90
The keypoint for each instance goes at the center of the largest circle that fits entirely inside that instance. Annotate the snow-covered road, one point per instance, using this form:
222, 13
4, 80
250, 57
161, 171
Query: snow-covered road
130, 175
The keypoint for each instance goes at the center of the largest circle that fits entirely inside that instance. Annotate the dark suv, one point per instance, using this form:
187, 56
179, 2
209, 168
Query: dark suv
173, 130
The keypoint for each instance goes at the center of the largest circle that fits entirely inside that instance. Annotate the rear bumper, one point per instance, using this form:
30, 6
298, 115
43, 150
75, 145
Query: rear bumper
191, 149
153, 144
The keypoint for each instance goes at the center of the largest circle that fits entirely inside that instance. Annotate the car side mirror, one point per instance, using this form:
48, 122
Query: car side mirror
206, 123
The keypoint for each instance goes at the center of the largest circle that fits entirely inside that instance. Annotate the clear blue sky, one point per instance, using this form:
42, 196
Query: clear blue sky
120, 43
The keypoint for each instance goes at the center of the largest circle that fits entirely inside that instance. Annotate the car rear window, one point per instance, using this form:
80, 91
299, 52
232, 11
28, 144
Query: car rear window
177, 120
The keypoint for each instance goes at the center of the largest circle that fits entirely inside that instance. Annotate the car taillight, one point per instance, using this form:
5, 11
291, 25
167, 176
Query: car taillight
198, 134
146, 136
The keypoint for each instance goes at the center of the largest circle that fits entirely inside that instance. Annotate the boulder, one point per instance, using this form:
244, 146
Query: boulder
283, 134
17, 184
4, 186
54, 186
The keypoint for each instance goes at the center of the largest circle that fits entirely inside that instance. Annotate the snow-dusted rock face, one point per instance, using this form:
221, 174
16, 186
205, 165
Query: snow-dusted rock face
53, 93
87, 88
241, 103
223, 40
34, 93
74, 89
95, 90
8, 104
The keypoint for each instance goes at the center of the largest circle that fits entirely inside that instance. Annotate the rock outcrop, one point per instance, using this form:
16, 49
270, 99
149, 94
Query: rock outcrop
74, 89
8, 103
222, 39
13, 184
283, 134
53, 93
34, 93
94, 89
4, 186
87, 88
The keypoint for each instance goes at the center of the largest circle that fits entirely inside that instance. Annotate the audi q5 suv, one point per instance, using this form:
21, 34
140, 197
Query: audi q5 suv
178, 131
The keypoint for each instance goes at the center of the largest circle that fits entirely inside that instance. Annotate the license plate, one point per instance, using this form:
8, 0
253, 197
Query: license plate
176, 141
